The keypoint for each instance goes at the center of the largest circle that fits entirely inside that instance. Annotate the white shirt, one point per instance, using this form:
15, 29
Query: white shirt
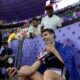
51, 22
34, 30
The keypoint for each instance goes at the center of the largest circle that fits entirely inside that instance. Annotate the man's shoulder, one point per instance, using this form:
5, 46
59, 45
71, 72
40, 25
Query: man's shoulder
31, 27
4, 52
58, 43
9, 51
45, 17
55, 16
61, 45
65, 49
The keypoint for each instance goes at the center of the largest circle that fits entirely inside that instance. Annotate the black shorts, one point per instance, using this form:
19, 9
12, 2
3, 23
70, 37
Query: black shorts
42, 68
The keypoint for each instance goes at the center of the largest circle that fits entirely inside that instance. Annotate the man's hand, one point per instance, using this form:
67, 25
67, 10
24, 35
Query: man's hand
11, 71
50, 48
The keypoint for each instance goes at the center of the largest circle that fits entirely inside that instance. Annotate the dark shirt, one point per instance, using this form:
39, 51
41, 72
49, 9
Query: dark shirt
52, 61
8, 52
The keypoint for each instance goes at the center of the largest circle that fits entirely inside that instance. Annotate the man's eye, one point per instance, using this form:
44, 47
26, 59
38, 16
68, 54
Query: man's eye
45, 34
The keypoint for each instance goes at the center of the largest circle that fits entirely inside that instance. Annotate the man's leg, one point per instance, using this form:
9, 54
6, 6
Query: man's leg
50, 75
26, 71
21, 78
29, 72
34, 76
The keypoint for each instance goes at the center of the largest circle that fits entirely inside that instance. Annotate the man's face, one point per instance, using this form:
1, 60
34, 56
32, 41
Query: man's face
34, 23
50, 12
18, 30
25, 25
48, 37
5, 46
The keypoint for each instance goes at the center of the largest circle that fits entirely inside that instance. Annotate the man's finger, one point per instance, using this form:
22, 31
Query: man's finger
14, 72
8, 69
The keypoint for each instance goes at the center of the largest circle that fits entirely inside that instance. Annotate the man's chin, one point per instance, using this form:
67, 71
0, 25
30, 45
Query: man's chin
47, 43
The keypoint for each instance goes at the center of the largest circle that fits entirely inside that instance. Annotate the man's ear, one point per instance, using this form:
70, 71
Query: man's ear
53, 36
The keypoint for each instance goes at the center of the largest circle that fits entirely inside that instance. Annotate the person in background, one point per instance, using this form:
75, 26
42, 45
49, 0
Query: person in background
23, 32
6, 56
25, 29
60, 55
18, 34
35, 28
6, 59
51, 20
11, 36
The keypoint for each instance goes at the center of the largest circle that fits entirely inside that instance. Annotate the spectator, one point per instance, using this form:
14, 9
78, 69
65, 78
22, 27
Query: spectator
60, 55
6, 59
23, 33
18, 34
25, 30
11, 36
6, 56
35, 28
50, 21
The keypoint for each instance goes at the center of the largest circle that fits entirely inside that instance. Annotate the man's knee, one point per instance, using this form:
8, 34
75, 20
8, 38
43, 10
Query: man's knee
25, 66
47, 72
51, 75
36, 76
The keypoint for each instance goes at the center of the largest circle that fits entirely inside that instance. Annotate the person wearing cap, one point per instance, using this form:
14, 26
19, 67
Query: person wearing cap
5, 55
51, 20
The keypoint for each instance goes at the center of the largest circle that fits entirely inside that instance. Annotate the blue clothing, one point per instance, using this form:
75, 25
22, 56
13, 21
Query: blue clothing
9, 53
67, 56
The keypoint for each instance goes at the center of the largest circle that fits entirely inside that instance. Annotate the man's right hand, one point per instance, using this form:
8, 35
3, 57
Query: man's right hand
11, 71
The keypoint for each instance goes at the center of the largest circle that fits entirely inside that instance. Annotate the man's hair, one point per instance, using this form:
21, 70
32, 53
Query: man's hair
48, 30
4, 43
34, 19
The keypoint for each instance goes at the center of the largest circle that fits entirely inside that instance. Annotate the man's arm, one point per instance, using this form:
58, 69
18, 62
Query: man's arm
24, 70
36, 65
59, 23
28, 70
56, 53
3, 58
50, 48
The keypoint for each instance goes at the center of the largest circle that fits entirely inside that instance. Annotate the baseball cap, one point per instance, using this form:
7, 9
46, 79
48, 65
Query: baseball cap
48, 7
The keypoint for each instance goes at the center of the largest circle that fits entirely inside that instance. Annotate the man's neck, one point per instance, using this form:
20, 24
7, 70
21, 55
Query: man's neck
35, 26
50, 16
53, 43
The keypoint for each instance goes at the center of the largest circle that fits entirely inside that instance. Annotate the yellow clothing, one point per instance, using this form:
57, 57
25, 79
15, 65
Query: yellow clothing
11, 37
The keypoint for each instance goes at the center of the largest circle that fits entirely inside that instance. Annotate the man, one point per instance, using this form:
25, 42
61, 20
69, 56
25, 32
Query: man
60, 55
35, 28
25, 30
51, 21
11, 36
5, 56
